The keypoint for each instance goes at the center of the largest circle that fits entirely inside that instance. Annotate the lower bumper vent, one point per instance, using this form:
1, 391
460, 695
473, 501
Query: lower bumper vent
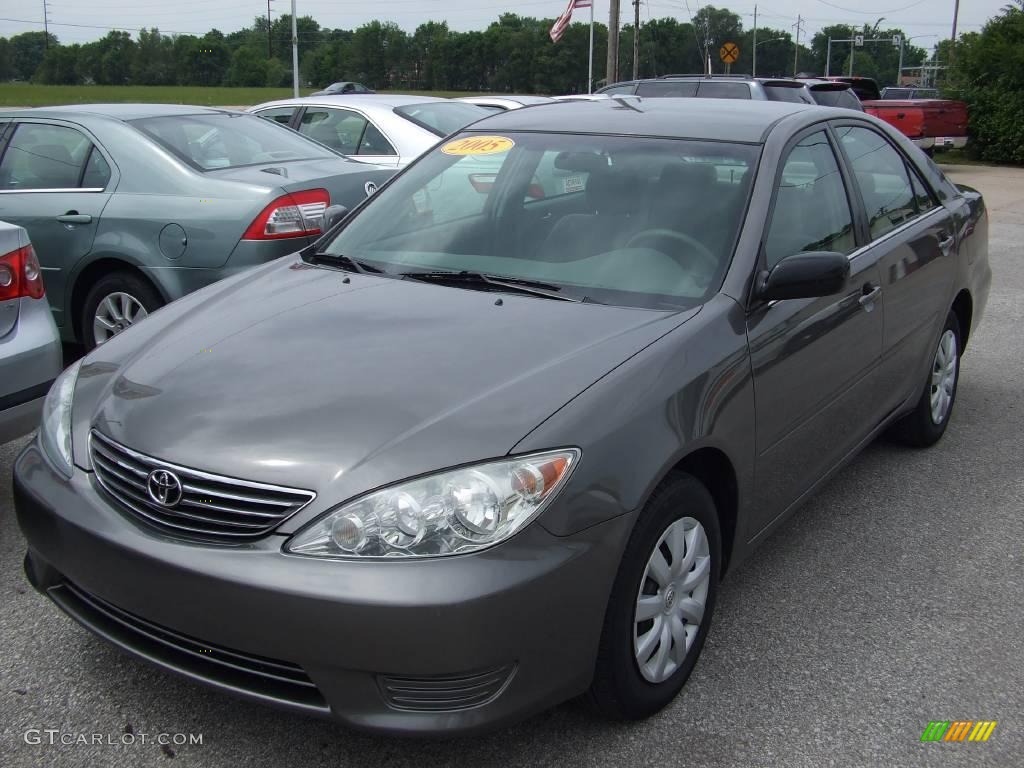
445, 693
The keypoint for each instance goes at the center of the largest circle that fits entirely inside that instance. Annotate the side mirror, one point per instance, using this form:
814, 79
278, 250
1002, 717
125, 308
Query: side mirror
805, 275
333, 215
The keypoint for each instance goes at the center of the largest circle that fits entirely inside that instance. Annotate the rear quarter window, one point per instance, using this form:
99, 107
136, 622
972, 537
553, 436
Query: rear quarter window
785, 93
667, 89
715, 90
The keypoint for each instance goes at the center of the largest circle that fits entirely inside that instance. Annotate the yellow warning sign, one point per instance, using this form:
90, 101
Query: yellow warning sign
730, 53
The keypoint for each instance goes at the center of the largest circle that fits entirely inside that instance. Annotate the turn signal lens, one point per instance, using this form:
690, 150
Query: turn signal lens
20, 275
449, 513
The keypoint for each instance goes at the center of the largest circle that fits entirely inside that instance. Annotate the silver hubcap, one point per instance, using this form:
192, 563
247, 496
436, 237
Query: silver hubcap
116, 312
673, 593
943, 376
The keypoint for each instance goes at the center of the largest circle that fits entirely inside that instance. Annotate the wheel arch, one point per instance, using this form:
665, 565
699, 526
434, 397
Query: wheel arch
94, 271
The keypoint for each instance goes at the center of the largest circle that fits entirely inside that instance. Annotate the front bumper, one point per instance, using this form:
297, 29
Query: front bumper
524, 618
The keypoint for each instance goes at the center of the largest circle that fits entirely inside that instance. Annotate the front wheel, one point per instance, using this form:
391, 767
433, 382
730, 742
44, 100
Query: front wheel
661, 603
115, 303
928, 421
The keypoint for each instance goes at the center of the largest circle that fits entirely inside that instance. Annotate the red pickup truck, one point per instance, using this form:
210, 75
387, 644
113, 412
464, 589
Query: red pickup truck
930, 123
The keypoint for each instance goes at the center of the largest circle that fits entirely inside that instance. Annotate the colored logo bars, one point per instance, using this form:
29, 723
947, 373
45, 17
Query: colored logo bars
958, 730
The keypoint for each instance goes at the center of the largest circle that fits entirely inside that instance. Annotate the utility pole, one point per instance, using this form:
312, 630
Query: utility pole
952, 40
612, 72
270, 50
636, 39
295, 54
754, 67
796, 44
46, 28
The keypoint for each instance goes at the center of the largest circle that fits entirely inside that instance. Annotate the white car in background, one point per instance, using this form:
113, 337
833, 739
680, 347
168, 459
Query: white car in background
384, 129
505, 102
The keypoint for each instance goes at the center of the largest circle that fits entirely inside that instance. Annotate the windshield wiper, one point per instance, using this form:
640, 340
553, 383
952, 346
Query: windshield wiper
516, 284
341, 260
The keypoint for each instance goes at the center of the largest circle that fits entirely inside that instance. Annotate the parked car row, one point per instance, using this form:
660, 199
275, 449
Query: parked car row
491, 440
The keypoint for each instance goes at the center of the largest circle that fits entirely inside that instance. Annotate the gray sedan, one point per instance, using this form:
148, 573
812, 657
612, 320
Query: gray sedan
386, 129
133, 205
30, 352
467, 457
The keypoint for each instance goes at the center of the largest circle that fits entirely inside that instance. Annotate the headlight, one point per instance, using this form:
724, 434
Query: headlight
448, 513
55, 429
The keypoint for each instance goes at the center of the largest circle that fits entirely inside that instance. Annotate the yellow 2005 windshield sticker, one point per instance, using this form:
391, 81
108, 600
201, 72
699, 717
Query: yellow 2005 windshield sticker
478, 145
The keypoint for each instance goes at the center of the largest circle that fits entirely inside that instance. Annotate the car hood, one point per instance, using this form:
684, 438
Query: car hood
313, 378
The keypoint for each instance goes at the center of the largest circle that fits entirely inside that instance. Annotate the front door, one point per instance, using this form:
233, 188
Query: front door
814, 361
55, 183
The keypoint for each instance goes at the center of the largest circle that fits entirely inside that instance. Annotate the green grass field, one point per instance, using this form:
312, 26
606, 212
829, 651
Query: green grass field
31, 95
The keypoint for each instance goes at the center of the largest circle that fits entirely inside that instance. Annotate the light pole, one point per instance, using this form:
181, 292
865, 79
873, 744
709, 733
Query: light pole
762, 42
295, 54
903, 42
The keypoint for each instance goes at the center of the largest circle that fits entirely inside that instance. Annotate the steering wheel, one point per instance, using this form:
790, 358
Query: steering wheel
697, 246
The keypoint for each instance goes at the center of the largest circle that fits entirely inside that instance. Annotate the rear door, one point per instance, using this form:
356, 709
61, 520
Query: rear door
350, 133
55, 182
913, 241
815, 360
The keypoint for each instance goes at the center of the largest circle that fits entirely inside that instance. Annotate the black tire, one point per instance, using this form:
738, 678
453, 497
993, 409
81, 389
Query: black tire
918, 428
619, 690
115, 282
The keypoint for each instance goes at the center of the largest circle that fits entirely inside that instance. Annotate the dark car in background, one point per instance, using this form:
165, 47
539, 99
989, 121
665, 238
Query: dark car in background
471, 455
343, 87
131, 206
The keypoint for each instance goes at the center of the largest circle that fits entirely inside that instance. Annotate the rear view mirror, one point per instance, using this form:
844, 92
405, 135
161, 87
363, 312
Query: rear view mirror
333, 215
806, 275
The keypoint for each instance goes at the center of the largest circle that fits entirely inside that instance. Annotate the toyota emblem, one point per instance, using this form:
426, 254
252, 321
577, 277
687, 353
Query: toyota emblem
164, 487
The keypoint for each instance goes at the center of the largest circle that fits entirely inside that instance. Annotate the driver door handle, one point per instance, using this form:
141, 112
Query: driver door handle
867, 300
946, 244
74, 217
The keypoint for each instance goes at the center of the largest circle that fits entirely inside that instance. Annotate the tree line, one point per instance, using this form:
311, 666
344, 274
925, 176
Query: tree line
513, 54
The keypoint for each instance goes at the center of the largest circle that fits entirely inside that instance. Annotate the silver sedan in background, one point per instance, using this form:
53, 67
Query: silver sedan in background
386, 129
30, 354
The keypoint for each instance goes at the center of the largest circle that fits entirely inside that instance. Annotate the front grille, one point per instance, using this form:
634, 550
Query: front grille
445, 693
279, 682
210, 505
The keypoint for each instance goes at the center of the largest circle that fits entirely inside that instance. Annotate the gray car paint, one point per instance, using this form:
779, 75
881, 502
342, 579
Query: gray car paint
357, 385
30, 351
151, 189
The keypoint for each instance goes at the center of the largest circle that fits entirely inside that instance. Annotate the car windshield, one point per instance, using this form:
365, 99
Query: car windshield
442, 117
834, 97
213, 141
632, 221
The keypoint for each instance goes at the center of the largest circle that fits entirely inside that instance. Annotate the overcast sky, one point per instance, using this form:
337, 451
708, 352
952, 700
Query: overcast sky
931, 19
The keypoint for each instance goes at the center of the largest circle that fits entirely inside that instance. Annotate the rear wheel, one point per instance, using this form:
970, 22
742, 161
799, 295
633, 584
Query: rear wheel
115, 303
928, 421
661, 604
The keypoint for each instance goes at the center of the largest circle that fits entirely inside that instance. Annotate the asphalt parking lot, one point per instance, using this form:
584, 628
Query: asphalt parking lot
895, 597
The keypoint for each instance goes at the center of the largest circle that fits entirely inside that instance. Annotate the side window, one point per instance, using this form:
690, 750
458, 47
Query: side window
719, 90
812, 212
882, 177
43, 156
667, 88
374, 143
619, 89
460, 191
282, 115
921, 195
97, 171
339, 129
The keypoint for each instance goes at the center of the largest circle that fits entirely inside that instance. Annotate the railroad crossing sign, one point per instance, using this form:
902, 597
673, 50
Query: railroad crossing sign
730, 53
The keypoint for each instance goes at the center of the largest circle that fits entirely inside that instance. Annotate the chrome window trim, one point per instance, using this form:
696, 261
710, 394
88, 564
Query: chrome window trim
898, 230
35, 190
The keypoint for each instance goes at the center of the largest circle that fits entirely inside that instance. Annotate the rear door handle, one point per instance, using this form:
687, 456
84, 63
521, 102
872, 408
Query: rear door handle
946, 243
72, 217
867, 300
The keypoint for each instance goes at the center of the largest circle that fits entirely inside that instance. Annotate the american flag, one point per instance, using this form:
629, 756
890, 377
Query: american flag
563, 21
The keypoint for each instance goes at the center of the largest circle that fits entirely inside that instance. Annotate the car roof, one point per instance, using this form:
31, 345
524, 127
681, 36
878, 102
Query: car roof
119, 111
357, 99
691, 118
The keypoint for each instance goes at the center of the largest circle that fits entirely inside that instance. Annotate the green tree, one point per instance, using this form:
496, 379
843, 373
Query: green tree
248, 67
60, 66
6, 71
26, 52
153, 61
